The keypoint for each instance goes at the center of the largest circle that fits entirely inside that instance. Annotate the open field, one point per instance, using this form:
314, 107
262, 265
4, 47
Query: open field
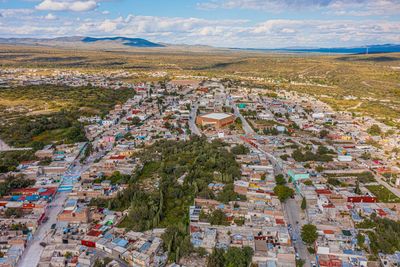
362, 84
37, 115
383, 194
47, 99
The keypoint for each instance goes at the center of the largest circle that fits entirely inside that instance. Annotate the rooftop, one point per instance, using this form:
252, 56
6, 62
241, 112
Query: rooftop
217, 116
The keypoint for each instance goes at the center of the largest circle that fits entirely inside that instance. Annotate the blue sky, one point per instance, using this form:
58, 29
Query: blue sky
224, 23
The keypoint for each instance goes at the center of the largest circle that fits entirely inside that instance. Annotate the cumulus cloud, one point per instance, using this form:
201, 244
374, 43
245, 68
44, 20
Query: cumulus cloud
13, 12
67, 5
219, 32
239, 33
50, 17
337, 7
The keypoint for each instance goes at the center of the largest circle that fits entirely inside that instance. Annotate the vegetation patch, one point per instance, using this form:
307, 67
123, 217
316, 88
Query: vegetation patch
167, 204
383, 194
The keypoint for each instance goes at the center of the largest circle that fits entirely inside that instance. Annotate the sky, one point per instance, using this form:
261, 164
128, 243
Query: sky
221, 23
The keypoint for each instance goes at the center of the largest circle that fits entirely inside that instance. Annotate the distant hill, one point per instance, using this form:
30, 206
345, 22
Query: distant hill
79, 40
135, 42
370, 49
123, 43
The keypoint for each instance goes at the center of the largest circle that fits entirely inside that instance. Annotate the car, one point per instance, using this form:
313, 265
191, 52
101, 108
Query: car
43, 244
45, 219
313, 264
297, 256
53, 226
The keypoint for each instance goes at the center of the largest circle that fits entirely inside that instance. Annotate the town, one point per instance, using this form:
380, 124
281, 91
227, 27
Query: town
289, 182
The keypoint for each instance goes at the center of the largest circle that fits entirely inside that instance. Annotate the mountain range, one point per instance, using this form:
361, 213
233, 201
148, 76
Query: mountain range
125, 42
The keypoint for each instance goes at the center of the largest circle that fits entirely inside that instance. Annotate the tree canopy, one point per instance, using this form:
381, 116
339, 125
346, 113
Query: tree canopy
283, 192
309, 233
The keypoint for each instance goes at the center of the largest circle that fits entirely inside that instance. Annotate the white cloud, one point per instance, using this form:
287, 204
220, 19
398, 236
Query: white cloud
67, 5
13, 12
336, 7
50, 17
365, 8
108, 26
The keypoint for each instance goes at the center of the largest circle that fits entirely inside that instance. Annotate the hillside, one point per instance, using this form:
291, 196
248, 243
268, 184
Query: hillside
79, 41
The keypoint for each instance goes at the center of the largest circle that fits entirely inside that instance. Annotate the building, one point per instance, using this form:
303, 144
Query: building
298, 174
217, 120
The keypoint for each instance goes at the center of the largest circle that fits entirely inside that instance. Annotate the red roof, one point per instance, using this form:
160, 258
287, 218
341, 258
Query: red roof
194, 229
28, 205
381, 212
329, 232
94, 233
97, 226
365, 199
323, 191
118, 157
50, 191
280, 221
74, 259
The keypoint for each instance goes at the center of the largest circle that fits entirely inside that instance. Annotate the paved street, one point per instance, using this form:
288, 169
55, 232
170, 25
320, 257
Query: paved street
5, 147
291, 208
33, 251
192, 120
292, 213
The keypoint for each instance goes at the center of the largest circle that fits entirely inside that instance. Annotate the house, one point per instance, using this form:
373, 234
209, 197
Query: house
298, 174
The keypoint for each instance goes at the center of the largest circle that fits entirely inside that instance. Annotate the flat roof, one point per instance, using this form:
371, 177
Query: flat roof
216, 116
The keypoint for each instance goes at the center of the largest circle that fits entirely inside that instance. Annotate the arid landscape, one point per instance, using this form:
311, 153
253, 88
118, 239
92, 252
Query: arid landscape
362, 84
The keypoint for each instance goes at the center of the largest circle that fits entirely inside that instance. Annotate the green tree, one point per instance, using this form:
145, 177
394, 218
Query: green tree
304, 203
135, 120
280, 179
308, 182
218, 217
323, 133
357, 190
309, 233
333, 181
236, 257
319, 168
216, 258
240, 150
360, 240
283, 192
374, 130
228, 194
